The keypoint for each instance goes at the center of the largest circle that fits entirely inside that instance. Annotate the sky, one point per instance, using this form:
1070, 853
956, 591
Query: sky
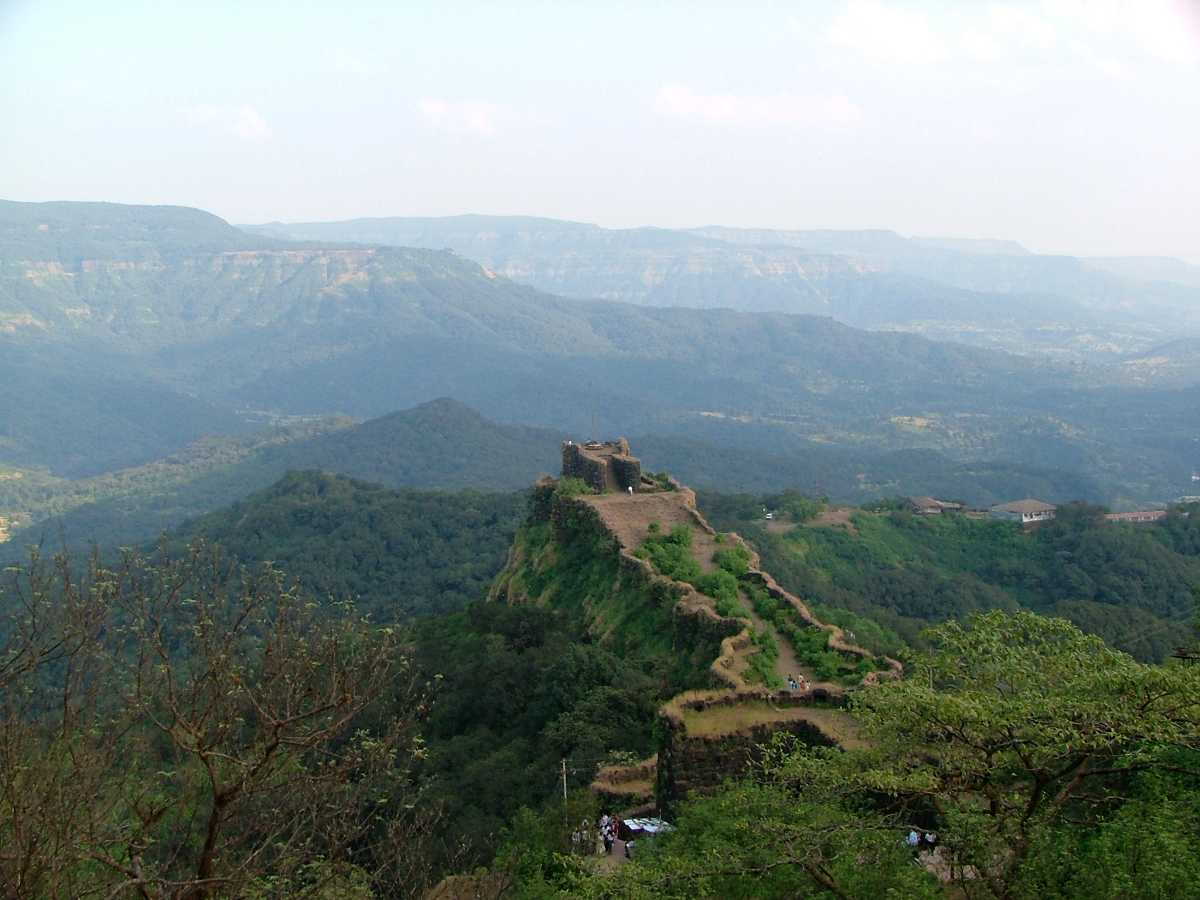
1072, 126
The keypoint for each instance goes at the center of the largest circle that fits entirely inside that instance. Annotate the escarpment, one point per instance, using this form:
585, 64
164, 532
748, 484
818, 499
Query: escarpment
583, 549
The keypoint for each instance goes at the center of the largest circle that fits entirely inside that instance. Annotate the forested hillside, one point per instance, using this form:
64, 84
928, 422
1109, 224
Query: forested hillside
107, 415
500, 694
441, 444
1136, 586
835, 538
444, 444
396, 554
517, 687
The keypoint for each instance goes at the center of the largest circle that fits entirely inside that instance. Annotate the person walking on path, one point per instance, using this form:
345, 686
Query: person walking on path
606, 832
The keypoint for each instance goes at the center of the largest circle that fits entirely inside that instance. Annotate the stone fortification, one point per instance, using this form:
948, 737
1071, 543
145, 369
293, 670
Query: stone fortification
715, 731
606, 467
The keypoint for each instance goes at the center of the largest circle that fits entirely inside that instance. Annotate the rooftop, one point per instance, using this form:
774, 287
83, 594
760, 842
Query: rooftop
933, 503
1029, 505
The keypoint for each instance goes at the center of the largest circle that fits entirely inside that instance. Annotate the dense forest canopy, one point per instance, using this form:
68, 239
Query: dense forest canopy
397, 554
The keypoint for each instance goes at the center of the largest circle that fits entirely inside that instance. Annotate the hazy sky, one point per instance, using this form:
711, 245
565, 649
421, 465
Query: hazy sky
1070, 125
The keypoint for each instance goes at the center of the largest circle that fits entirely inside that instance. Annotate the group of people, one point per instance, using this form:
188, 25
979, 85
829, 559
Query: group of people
610, 830
608, 827
797, 683
921, 840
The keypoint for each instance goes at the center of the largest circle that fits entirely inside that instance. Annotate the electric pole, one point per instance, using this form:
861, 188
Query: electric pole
566, 824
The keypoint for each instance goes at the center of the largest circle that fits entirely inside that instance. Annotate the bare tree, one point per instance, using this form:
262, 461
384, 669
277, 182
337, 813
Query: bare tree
184, 728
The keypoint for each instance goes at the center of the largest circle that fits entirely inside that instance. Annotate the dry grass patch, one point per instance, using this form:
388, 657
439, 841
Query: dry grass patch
836, 724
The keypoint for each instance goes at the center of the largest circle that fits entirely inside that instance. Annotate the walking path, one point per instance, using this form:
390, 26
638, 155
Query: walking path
741, 706
630, 517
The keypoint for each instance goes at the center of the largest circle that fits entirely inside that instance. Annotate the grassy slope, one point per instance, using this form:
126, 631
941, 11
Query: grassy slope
581, 576
1132, 584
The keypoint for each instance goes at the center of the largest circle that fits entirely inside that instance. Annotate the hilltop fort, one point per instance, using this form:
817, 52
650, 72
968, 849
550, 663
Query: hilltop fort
588, 548
605, 466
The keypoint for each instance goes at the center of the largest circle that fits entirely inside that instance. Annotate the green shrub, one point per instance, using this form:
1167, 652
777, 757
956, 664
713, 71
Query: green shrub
672, 556
682, 535
766, 605
572, 487
662, 479
735, 560
761, 668
798, 507
731, 609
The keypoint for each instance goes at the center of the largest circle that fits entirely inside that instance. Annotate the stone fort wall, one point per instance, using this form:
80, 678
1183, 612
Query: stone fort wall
606, 467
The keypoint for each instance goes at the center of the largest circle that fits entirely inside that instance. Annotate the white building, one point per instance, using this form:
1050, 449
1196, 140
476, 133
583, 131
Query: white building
1024, 511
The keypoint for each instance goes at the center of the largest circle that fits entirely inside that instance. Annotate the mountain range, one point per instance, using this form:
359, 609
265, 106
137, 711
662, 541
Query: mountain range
987, 293
162, 325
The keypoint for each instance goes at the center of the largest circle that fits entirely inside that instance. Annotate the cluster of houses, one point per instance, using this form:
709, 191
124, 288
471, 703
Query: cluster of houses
1024, 511
1028, 511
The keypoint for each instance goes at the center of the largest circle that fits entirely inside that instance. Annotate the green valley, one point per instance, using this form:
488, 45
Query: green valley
247, 326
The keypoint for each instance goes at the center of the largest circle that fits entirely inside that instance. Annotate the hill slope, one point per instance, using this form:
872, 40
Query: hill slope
395, 553
1134, 585
647, 572
441, 444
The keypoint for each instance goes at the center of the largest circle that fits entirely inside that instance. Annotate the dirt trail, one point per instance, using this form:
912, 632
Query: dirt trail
788, 663
629, 518
739, 705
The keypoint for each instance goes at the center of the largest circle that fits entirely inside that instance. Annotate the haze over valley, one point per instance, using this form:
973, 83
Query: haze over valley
463, 451
168, 325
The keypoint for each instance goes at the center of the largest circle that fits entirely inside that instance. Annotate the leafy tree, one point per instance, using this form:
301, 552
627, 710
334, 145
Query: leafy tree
1047, 764
756, 840
1010, 728
1146, 850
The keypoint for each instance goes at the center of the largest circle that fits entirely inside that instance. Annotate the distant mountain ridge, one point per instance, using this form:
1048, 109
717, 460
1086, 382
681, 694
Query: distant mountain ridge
994, 293
1150, 268
71, 231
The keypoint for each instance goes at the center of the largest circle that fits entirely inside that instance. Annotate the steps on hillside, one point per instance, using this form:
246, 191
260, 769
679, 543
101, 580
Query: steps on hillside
627, 785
